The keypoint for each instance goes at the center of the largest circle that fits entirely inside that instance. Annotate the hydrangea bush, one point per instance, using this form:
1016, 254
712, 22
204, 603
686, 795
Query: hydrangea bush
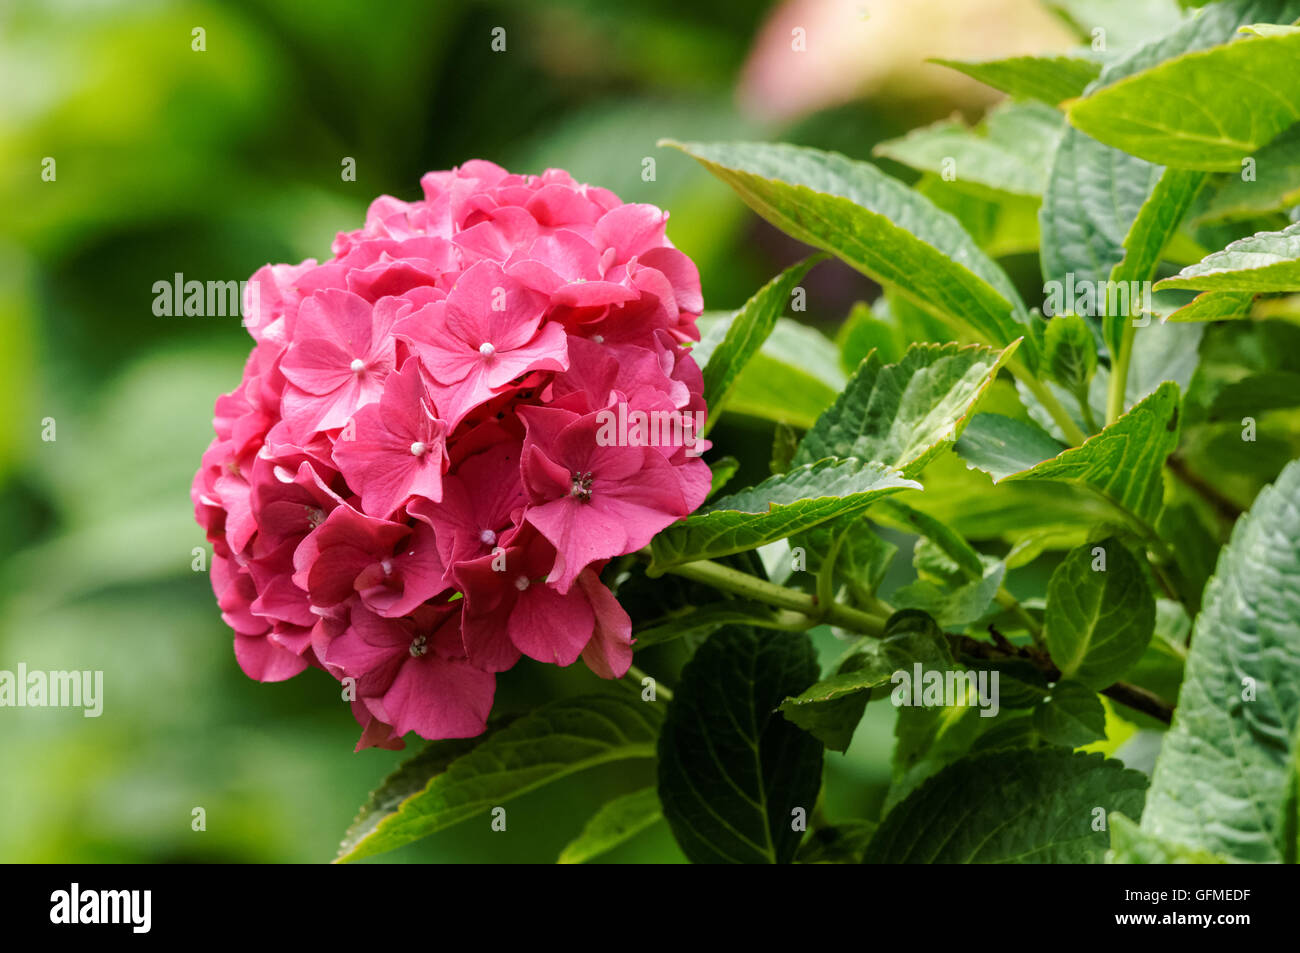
1040, 499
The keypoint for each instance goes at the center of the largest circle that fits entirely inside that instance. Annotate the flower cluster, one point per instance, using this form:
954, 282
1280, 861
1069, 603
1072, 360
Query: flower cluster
409, 488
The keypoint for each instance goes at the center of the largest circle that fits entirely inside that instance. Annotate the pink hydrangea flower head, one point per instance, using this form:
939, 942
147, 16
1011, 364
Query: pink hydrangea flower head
423, 472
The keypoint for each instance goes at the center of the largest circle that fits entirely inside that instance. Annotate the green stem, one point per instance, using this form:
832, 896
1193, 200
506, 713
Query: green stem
1009, 602
660, 688
1043, 393
1119, 374
1085, 408
760, 590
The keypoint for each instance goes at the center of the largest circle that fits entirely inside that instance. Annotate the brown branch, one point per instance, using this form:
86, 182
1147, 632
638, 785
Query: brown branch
1134, 696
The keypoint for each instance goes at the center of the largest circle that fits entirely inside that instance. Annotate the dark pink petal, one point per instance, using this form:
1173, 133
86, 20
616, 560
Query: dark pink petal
609, 653
264, 661
549, 626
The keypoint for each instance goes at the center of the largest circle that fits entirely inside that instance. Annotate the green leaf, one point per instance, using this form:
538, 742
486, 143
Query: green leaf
784, 443
1071, 352
1267, 261
732, 772
546, 745
861, 333
954, 607
1156, 222
832, 708
617, 821
1071, 716
1215, 306
1125, 462
1040, 810
1203, 110
905, 414
1093, 197
746, 332
1270, 29
1050, 79
721, 471
1099, 209
794, 376
1001, 224
1009, 152
842, 843
1274, 185
1099, 620
1226, 766
879, 226
860, 556
409, 779
1161, 352
1123, 24
963, 555
1014, 732
776, 508
1195, 549
1001, 446
1253, 395
1129, 844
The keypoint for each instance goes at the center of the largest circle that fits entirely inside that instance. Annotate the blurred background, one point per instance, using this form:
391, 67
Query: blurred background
211, 162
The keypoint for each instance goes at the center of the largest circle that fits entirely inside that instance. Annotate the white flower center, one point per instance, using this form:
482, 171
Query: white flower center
418, 448
487, 348
387, 566
521, 583
487, 537
357, 365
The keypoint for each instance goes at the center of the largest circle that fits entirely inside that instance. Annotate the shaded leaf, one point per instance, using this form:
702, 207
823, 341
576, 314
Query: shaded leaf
1071, 715
1040, 809
617, 821
1098, 621
1001, 446
732, 771
832, 708
550, 743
